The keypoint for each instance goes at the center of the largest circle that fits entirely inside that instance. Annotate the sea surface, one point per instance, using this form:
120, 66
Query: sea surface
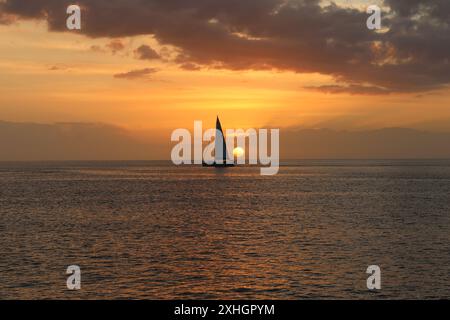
150, 230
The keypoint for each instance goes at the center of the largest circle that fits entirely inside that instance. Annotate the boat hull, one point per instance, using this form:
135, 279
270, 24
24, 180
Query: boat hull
218, 165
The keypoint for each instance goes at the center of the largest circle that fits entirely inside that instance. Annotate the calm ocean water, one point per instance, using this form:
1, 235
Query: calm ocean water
149, 230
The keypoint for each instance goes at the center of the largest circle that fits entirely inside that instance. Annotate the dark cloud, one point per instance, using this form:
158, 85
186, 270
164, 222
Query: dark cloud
300, 36
145, 52
435, 9
136, 74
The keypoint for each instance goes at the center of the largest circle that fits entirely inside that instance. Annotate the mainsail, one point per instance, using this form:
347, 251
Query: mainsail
221, 159
220, 144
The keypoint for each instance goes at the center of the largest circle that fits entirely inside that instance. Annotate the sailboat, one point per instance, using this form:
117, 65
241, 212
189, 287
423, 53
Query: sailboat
221, 158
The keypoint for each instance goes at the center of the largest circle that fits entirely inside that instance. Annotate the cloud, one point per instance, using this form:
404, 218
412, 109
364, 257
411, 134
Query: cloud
6, 19
86, 141
352, 89
136, 74
58, 67
97, 48
301, 36
75, 141
387, 143
435, 9
115, 45
145, 52
190, 66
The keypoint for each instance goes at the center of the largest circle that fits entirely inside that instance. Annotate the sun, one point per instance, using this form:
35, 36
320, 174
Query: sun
238, 152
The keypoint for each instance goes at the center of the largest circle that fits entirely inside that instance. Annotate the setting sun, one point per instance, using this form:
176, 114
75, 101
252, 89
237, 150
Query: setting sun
238, 152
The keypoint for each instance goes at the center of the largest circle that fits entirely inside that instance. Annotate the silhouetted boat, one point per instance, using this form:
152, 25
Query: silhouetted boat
221, 159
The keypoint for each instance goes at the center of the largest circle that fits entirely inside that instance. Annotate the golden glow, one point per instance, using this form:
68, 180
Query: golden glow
58, 77
238, 152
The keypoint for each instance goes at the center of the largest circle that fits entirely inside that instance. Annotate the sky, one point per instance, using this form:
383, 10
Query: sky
153, 66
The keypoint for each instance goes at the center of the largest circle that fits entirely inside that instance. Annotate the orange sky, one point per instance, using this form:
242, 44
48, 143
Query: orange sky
66, 77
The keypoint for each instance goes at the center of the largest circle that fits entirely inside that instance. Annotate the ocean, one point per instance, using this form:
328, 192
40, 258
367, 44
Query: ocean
151, 230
